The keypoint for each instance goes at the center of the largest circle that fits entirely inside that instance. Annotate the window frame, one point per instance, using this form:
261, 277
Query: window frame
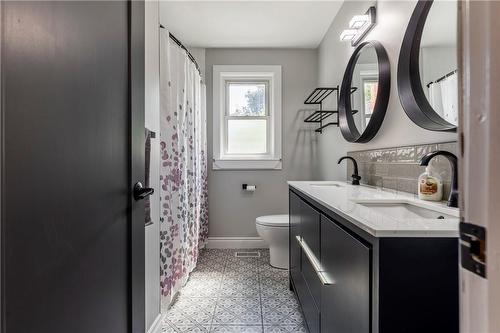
223, 77
227, 117
366, 76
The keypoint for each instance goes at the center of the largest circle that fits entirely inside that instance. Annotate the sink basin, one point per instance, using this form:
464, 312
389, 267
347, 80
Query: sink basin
327, 184
405, 210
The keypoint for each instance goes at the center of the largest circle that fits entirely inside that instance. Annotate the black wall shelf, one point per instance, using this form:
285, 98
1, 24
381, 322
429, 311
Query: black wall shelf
318, 116
319, 94
316, 98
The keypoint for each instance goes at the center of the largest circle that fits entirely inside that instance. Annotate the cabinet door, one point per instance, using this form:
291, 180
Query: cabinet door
310, 227
345, 305
294, 253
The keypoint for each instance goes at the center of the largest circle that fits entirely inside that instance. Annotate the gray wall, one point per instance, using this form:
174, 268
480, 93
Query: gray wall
199, 54
435, 62
232, 212
397, 129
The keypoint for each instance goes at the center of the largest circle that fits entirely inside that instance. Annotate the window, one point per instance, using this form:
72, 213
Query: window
369, 86
247, 117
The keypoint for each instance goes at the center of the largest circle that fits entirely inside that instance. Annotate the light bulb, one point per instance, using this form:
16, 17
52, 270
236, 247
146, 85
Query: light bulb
348, 34
358, 21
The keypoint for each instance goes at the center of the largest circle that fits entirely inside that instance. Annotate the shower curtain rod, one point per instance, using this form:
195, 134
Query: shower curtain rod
178, 42
442, 78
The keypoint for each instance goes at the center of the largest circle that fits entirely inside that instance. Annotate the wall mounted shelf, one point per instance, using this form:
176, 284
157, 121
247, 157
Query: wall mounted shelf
316, 98
318, 116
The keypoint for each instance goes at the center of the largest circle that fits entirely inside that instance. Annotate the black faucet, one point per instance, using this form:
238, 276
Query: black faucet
355, 176
453, 199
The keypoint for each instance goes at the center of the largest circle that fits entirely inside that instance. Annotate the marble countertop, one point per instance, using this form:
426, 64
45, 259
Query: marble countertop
344, 200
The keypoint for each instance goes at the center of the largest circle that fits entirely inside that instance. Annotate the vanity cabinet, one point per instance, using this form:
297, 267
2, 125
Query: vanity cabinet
347, 280
304, 225
348, 260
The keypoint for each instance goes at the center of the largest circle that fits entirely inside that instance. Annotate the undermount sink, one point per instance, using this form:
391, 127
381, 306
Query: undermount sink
405, 210
327, 184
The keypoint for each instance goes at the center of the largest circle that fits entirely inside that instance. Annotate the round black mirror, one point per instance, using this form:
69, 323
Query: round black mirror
364, 93
427, 68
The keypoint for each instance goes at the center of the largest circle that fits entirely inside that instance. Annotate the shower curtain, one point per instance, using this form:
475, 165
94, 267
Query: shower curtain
449, 93
443, 97
183, 170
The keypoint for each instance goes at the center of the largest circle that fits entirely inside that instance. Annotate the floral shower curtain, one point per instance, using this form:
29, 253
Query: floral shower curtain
183, 170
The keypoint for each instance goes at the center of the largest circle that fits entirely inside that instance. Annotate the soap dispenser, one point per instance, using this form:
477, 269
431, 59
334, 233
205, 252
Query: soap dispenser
430, 185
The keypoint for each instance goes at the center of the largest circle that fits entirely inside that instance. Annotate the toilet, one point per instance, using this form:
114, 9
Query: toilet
273, 229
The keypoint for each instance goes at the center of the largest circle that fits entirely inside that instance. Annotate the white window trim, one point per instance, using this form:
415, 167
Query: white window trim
221, 75
366, 75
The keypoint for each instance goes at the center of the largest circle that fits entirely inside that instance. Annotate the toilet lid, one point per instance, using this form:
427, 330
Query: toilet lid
273, 220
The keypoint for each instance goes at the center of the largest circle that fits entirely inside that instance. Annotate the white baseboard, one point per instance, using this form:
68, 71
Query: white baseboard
236, 243
156, 327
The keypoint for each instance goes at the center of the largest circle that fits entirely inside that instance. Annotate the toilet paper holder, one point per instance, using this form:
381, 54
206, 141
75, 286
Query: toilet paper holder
246, 187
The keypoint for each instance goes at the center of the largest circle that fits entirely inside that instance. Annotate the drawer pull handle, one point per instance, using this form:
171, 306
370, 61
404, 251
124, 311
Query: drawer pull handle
315, 263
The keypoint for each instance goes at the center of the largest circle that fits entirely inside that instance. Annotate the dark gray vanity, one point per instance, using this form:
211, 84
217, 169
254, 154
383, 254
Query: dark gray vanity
348, 280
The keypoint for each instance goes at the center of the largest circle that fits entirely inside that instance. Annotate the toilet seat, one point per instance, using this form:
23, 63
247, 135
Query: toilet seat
273, 220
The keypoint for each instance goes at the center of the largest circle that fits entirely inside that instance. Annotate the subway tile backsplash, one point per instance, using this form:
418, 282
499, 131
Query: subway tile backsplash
398, 168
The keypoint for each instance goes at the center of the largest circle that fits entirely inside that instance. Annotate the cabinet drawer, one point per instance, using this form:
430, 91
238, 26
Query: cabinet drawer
345, 305
311, 278
309, 225
309, 308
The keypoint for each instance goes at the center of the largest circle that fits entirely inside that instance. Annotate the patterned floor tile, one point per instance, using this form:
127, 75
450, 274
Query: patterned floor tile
232, 277
274, 288
185, 328
240, 288
285, 329
201, 288
270, 273
181, 323
212, 260
206, 275
237, 329
229, 294
241, 270
214, 266
192, 310
244, 261
281, 311
238, 311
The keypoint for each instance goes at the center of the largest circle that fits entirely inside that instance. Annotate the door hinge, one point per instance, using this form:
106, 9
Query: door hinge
473, 248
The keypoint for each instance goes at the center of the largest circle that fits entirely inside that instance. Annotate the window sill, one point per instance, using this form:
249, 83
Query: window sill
247, 164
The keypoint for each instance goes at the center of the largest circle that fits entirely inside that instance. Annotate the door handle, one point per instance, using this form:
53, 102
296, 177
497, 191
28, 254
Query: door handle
140, 192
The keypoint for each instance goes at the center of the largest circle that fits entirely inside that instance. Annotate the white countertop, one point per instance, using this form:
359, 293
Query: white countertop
342, 200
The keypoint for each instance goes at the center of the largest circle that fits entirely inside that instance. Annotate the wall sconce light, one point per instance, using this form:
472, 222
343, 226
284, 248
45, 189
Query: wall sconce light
359, 26
358, 21
348, 34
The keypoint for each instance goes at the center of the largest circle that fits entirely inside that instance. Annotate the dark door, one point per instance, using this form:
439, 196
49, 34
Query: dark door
345, 305
72, 99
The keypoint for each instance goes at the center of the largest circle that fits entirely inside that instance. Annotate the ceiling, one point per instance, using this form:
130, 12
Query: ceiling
210, 24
